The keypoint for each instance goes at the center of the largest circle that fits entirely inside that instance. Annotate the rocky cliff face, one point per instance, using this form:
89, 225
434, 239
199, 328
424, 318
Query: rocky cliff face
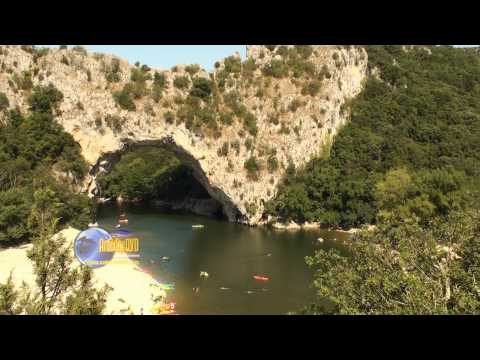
295, 112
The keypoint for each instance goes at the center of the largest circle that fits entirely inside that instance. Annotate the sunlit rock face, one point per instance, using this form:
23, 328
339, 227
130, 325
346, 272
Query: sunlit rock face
293, 125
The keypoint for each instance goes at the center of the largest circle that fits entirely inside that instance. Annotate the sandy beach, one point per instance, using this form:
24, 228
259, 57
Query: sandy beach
131, 288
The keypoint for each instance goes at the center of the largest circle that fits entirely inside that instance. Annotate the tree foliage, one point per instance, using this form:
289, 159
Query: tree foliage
403, 268
147, 173
422, 116
30, 147
60, 287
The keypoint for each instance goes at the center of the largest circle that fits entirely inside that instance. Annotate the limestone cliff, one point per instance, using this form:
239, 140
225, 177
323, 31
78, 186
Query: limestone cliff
294, 110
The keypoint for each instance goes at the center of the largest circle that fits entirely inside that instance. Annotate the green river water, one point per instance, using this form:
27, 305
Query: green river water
230, 253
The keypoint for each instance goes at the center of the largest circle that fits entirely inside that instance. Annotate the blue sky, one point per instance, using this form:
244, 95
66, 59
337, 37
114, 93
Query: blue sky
166, 56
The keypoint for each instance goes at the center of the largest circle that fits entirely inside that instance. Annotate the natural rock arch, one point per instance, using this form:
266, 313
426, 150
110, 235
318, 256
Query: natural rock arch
107, 161
102, 128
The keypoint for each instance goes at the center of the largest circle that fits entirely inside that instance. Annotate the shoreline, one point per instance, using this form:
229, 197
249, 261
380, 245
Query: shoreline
131, 288
293, 226
289, 226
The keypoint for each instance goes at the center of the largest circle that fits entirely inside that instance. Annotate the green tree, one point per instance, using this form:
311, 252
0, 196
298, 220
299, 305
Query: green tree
403, 268
61, 288
181, 82
44, 98
124, 100
421, 116
201, 88
4, 103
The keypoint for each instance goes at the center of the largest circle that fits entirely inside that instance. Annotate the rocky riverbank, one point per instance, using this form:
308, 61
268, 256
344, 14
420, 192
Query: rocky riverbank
293, 226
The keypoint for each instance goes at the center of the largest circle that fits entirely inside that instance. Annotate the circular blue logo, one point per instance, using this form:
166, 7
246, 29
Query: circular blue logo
87, 247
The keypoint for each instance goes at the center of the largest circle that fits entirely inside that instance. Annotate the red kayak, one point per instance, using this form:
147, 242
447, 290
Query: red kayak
261, 278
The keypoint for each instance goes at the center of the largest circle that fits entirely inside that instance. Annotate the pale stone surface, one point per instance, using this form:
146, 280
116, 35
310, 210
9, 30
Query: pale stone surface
225, 178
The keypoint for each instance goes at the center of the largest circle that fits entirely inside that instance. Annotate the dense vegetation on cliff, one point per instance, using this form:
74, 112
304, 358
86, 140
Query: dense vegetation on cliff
414, 130
409, 161
34, 150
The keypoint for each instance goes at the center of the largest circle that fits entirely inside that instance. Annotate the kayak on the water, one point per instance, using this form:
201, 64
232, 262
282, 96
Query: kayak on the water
163, 286
260, 278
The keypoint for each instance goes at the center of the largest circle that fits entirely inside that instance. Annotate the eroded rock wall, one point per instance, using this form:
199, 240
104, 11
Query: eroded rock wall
304, 125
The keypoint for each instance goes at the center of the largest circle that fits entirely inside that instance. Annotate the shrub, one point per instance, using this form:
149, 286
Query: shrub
159, 84
44, 98
282, 50
114, 122
63, 47
159, 80
192, 69
324, 73
253, 167
136, 89
312, 88
179, 100
181, 82
251, 123
251, 208
232, 100
249, 144
294, 105
284, 129
305, 51
226, 118
300, 67
65, 60
112, 72
124, 100
4, 103
232, 65
202, 88
98, 122
169, 117
139, 75
23, 81
249, 66
276, 68
260, 93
